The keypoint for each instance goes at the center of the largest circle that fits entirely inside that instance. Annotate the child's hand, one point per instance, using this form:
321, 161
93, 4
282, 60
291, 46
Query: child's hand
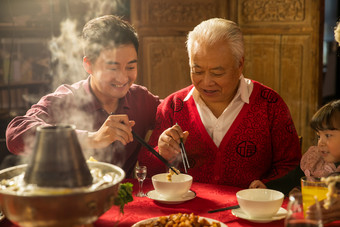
257, 184
295, 190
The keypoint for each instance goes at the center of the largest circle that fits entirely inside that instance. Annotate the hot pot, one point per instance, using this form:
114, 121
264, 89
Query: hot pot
71, 209
61, 190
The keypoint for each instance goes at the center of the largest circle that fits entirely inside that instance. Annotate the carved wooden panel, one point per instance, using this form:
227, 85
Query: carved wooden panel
175, 13
167, 69
262, 11
283, 52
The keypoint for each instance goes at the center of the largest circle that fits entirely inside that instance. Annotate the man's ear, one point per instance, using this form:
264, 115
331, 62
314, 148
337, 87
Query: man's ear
241, 65
87, 65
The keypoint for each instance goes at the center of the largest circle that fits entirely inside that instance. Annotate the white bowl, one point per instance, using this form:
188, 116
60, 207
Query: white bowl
176, 188
259, 202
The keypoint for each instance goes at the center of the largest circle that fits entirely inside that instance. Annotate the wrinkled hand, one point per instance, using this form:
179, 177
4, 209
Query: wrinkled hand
328, 215
257, 184
169, 140
115, 128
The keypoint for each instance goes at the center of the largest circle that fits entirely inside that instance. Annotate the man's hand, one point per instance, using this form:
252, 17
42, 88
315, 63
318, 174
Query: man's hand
168, 142
115, 128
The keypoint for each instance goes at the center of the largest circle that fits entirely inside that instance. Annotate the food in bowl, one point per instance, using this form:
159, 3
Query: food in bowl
169, 176
181, 220
260, 202
176, 188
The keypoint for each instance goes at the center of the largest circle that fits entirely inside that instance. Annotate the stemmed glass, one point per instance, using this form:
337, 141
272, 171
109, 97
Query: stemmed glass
296, 215
140, 174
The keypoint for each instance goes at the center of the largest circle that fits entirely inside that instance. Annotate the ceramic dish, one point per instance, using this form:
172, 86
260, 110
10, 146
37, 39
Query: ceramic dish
159, 198
147, 221
278, 216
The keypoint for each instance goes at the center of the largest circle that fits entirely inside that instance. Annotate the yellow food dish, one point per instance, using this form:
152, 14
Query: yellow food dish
180, 219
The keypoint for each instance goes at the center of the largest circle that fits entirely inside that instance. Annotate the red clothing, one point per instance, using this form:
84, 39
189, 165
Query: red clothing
262, 142
76, 104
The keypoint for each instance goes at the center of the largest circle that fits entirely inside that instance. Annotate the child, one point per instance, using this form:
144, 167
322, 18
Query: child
319, 161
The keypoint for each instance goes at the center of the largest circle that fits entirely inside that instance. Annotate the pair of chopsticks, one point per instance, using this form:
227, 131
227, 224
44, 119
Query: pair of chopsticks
184, 156
145, 144
225, 208
160, 157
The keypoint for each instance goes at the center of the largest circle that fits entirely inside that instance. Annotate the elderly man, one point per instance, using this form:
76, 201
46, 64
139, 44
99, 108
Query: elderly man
235, 129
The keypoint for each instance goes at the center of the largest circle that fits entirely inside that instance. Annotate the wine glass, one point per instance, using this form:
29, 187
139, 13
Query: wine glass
296, 215
140, 174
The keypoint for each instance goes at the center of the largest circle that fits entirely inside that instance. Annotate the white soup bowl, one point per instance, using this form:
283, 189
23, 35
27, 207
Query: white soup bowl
259, 202
176, 188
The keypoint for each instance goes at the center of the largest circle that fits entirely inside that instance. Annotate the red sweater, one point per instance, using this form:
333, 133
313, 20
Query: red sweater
262, 142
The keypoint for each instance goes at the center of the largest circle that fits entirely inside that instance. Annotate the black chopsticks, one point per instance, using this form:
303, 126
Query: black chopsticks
226, 208
142, 141
153, 151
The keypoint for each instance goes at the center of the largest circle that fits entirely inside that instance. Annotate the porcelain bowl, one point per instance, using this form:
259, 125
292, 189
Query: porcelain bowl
176, 188
260, 203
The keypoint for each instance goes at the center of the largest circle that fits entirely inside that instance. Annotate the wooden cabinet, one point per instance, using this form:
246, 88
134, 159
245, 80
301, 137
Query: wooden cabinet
282, 38
25, 30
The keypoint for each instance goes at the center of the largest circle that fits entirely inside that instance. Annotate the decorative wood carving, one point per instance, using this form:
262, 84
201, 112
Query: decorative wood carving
177, 12
261, 11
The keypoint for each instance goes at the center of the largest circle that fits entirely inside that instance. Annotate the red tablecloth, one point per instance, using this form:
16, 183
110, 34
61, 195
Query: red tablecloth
208, 197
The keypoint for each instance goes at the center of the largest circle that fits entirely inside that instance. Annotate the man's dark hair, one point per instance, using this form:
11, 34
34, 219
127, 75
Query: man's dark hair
107, 31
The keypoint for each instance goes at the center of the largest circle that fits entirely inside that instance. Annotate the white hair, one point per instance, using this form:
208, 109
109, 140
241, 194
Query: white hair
217, 29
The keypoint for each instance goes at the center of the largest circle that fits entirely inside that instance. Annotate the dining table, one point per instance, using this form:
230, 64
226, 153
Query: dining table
207, 197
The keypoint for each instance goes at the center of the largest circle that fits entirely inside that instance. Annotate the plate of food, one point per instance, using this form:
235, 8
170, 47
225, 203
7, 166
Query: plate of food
179, 218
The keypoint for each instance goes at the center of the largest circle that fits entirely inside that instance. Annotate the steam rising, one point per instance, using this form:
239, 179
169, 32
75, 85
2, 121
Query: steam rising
67, 54
67, 68
66, 49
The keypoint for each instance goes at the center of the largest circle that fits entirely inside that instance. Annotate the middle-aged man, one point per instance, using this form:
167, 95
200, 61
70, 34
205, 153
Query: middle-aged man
105, 106
235, 129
